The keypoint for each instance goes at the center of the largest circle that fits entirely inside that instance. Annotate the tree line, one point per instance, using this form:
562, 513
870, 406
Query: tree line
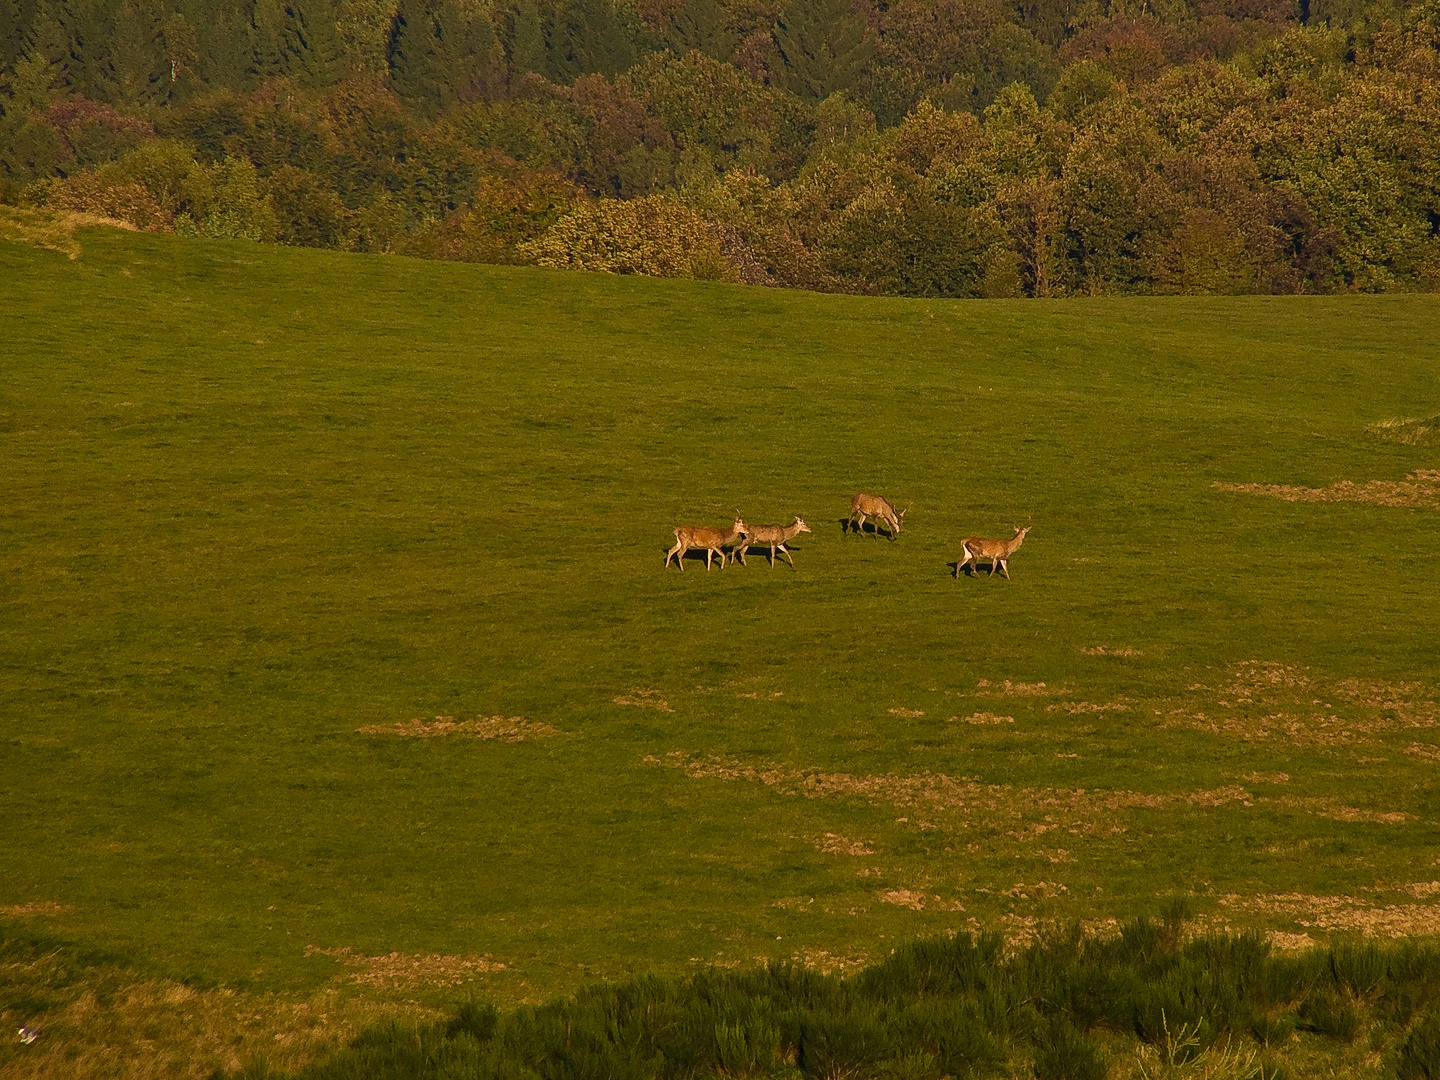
917, 147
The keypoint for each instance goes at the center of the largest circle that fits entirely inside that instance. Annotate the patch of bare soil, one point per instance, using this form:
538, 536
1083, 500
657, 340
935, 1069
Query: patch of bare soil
1074, 707
34, 909
1102, 650
835, 844
828, 963
1266, 778
984, 718
1025, 815
1041, 890
504, 728
1420, 489
918, 901
1261, 700
401, 972
1006, 688
1343, 913
904, 898
962, 802
643, 699
909, 714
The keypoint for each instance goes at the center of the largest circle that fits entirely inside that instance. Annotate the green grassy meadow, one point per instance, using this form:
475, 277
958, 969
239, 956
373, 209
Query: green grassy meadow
256, 499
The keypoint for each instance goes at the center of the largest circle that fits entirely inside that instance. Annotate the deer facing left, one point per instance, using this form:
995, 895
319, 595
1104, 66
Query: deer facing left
713, 541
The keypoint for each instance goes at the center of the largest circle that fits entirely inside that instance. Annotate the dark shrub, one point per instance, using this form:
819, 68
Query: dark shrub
1062, 1053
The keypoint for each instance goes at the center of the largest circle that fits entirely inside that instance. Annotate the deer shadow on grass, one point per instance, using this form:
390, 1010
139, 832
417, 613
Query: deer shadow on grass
972, 570
763, 550
696, 555
870, 528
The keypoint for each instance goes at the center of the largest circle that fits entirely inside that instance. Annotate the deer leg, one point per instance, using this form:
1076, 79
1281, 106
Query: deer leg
1005, 569
740, 554
680, 561
786, 552
860, 528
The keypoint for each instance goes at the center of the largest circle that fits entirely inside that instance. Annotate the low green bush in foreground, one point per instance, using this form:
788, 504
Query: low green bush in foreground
1145, 1003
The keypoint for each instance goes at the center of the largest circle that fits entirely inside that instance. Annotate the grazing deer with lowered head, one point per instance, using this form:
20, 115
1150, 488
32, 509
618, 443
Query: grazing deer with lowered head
775, 536
699, 536
997, 552
864, 506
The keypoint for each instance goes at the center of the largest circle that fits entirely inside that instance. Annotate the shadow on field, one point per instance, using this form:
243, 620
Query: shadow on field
694, 555
764, 554
869, 529
972, 571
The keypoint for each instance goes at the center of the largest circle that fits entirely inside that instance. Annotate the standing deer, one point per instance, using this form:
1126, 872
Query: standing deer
880, 509
998, 552
776, 536
699, 536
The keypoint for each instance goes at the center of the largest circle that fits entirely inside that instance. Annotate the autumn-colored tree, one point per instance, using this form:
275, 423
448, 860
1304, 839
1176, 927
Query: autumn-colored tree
655, 235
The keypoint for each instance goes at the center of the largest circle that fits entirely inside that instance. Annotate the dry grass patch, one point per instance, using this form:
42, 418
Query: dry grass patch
1075, 707
504, 728
1006, 688
1041, 890
1347, 914
398, 971
909, 898
835, 844
828, 963
1102, 650
1304, 709
53, 229
1419, 489
960, 802
984, 718
909, 714
643, 699
1411, 431
34, 909
104, 1021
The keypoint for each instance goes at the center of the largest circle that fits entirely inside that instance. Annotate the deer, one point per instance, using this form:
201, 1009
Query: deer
998, 552
713, 541
776, 536
880, 509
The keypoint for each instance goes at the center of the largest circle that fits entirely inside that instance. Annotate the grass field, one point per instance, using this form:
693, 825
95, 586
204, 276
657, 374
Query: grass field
258, 500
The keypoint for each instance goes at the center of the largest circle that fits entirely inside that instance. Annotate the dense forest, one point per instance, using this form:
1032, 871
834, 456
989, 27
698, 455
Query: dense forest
915, 147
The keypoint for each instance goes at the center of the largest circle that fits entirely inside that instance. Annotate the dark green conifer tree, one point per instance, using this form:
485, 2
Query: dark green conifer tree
439, 54
16, 19
141, 73
527, 38
589, 36
297, 39
824, 44
702, 25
